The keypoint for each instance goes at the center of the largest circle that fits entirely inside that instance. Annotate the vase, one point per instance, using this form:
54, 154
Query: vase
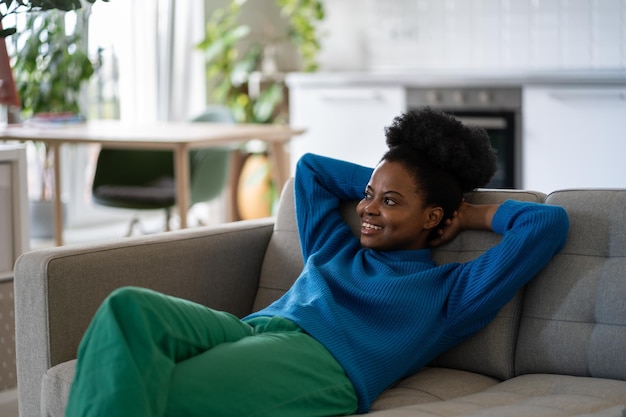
255, 189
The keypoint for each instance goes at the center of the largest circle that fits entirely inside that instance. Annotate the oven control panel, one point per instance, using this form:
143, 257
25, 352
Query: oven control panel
465, 98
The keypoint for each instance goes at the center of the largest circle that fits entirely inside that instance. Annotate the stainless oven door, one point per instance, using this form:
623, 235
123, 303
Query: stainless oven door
500, 127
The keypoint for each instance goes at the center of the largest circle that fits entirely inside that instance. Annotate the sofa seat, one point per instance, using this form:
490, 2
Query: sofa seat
536, 395
431, 384
444, 392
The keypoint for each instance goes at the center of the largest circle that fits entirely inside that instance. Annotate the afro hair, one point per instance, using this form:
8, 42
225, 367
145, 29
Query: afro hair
463, 152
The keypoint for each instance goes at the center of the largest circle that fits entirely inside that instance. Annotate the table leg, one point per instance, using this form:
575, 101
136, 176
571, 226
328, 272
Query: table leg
181, 171
58, 207
280, 163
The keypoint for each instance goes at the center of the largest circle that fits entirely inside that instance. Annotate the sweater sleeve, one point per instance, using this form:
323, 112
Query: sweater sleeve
531, 235
321, 184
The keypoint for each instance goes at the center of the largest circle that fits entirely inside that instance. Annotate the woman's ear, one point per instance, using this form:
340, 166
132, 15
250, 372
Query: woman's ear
434, 216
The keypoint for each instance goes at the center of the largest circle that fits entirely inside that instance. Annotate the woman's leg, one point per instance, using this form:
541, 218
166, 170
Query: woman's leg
130, 349
281, 372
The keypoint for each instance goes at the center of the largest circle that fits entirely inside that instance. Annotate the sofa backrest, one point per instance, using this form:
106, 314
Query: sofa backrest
283, 259
490, 352
574, 312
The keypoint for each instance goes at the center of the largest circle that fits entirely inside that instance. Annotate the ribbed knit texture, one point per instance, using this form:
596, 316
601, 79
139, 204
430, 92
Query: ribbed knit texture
385, 315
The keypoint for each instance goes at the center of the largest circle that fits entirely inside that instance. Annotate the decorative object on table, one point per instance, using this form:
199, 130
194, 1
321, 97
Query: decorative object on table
256, 192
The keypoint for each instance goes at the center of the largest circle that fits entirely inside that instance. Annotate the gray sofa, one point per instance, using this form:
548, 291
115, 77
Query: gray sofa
557, 349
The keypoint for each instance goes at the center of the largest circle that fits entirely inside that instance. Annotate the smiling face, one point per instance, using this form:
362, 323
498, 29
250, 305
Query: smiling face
393, 214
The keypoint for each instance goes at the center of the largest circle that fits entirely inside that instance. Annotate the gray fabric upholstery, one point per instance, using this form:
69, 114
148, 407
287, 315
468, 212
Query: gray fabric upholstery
433, 384
538, 395
574, 319
491, 351
55, 387
283, 259
557, 349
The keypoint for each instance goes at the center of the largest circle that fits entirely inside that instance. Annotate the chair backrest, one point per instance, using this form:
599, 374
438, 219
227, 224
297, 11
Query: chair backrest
132, 167
490, 352
122, 172
136, 179
574, 312
209, 166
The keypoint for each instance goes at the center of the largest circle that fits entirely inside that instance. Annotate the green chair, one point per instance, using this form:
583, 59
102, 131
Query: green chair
144, 180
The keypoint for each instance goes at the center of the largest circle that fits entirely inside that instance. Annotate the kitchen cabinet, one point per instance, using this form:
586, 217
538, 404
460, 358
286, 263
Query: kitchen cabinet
344, 122
573, 136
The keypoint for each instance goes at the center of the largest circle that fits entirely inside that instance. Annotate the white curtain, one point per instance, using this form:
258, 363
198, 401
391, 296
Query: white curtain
180, 75
161, 72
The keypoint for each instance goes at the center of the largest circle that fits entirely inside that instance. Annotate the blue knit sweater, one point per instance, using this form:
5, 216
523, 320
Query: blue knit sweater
385, 315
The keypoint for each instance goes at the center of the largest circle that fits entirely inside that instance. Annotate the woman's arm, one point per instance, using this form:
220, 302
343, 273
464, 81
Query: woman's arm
466, 217
531, 235
321, 185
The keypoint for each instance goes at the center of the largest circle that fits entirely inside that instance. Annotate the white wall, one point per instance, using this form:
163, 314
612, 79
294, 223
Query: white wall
475, 34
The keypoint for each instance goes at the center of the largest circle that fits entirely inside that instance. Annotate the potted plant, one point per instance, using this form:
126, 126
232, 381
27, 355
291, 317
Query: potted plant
234, 60
8, 91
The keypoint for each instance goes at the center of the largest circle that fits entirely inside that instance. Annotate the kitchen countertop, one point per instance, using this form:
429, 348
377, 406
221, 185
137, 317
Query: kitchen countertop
450, 78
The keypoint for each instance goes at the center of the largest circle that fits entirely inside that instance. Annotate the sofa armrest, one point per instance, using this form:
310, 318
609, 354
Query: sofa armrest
58, 290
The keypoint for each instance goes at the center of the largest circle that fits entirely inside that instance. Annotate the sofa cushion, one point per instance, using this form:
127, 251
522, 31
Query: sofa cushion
55, 388
574, 314
432, 384
283, 258
539, 395
492, 350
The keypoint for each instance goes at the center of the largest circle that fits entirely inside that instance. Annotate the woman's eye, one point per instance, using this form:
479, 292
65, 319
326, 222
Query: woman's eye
366, 195
389, 202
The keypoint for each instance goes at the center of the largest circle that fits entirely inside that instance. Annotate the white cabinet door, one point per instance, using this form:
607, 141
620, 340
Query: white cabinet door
573, 137
343, 123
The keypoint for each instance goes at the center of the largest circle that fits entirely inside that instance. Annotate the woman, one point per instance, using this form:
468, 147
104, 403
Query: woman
364, 312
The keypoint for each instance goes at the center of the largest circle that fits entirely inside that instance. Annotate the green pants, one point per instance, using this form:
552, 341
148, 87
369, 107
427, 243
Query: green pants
148, 354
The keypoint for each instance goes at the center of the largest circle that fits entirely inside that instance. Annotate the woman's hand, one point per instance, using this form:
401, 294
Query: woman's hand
466, 217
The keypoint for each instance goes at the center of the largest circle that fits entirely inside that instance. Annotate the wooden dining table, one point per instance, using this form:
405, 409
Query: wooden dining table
179, 137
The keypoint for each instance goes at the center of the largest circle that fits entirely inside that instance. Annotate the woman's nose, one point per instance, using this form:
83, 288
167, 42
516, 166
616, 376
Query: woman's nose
371, 207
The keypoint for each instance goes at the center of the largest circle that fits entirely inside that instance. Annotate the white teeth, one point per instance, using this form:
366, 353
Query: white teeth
370, 226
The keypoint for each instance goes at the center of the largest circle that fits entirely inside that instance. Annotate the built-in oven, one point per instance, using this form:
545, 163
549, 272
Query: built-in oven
497, 110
